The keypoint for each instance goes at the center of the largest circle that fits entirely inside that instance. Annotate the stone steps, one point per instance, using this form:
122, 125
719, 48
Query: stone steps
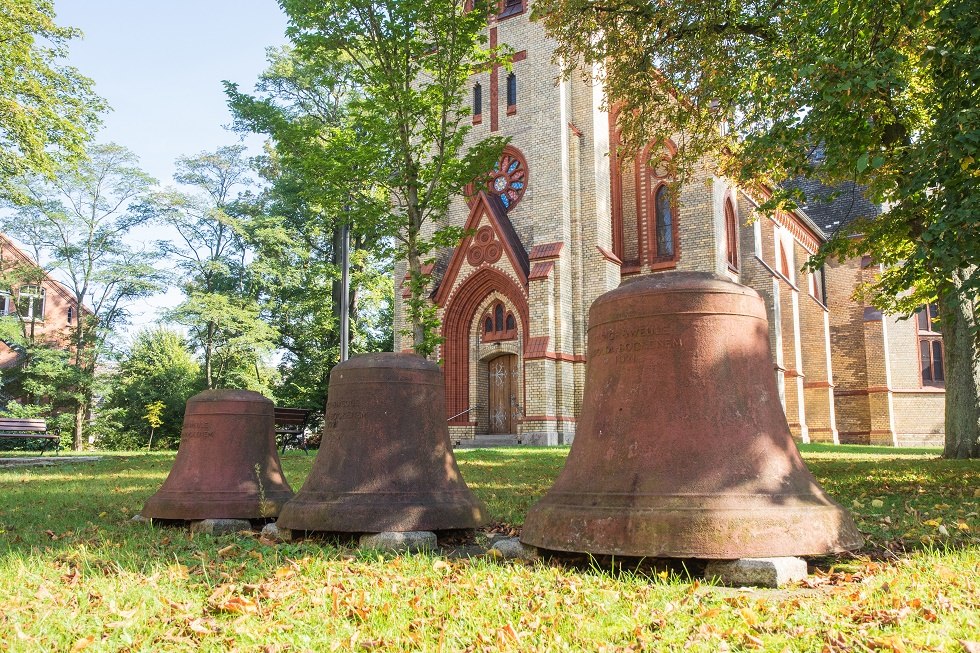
487, 440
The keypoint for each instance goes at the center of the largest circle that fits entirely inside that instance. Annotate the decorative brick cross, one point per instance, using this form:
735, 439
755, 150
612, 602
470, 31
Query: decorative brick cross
494, 77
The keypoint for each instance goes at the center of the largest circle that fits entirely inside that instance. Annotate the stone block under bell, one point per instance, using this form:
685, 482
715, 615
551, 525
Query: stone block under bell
227, 465
682, 448
385, 461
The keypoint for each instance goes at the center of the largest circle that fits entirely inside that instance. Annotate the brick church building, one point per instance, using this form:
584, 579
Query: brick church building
563, 219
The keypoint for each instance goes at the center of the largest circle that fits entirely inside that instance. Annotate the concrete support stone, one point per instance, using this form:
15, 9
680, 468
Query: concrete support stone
757, 572
400, 542
220, 526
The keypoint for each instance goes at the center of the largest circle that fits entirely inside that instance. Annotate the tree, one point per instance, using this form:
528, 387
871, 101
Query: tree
154, 417
47, 110
159, 368
880, 93
296, 224
77, 222
410, 61
221, 309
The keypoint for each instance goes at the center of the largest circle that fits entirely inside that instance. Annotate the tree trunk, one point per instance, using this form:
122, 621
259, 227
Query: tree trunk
958, 324
76, 442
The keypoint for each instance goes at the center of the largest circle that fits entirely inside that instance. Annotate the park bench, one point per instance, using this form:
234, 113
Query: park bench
291, 426
29, 429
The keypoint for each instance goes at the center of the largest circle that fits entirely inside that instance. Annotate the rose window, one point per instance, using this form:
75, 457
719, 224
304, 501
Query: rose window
509, 179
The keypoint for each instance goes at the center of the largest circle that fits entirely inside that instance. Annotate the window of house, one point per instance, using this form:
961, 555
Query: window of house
818, 285
6, 304
664, 224
499, 324
30, 303
930, 345
477, 103
511, 93
784, 256
731, 235
511, 8
71, 314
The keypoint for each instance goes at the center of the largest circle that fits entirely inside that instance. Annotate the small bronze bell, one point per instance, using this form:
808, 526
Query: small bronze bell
682, 449
227, 466
385, 462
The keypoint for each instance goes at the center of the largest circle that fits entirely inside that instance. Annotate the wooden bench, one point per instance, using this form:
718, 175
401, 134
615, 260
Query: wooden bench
29, 429
291, 426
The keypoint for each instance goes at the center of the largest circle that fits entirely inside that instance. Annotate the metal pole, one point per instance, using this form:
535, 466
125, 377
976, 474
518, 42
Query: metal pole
344, 292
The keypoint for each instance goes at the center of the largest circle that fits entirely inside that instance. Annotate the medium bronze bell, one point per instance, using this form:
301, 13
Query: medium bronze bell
682, 449
226, 466
385, 462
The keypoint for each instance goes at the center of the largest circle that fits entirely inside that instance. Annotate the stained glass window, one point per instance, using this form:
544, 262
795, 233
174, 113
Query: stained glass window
508, 179
665, 224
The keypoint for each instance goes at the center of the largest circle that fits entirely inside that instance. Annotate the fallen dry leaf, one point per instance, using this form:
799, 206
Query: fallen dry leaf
83, 643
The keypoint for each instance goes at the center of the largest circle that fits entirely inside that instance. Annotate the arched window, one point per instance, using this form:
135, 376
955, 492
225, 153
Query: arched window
731, 235
499, 324
664, 224
511, 8
477, 103
511, 93
656, 207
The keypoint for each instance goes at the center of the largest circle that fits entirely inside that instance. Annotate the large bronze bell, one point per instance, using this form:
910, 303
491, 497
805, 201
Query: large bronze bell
682, 449
227, 466
385, 462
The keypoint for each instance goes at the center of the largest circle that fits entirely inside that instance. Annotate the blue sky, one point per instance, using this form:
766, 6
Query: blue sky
160, 64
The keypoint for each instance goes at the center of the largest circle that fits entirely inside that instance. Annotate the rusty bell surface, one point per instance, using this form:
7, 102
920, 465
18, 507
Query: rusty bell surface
682, 448
227, 466
385, 462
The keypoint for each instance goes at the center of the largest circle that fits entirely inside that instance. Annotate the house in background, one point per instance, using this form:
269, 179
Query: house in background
564, 218
44, 309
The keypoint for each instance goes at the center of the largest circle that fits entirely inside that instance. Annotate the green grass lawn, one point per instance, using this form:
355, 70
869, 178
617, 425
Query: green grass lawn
75, 574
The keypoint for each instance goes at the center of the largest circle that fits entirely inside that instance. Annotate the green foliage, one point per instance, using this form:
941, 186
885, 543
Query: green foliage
221, 309
47, 109
158, 371
76, 225
315, 184
406, 125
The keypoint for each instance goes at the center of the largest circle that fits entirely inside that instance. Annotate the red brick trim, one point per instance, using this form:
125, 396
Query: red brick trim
816, 385
541, 271
609, 256
860, 392
545, 251
547, 418
494, 91
460, 311
478, 119
575, 130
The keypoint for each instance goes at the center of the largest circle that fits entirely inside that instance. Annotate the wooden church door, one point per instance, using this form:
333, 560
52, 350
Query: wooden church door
503, 390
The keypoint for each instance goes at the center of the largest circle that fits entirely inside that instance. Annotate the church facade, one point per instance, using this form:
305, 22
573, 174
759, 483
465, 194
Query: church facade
563, 219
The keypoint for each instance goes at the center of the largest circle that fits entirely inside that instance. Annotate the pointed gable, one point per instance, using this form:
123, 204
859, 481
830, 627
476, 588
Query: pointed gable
491, 238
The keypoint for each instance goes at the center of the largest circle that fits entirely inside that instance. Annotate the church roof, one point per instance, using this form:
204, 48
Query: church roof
832, 208
447, 268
